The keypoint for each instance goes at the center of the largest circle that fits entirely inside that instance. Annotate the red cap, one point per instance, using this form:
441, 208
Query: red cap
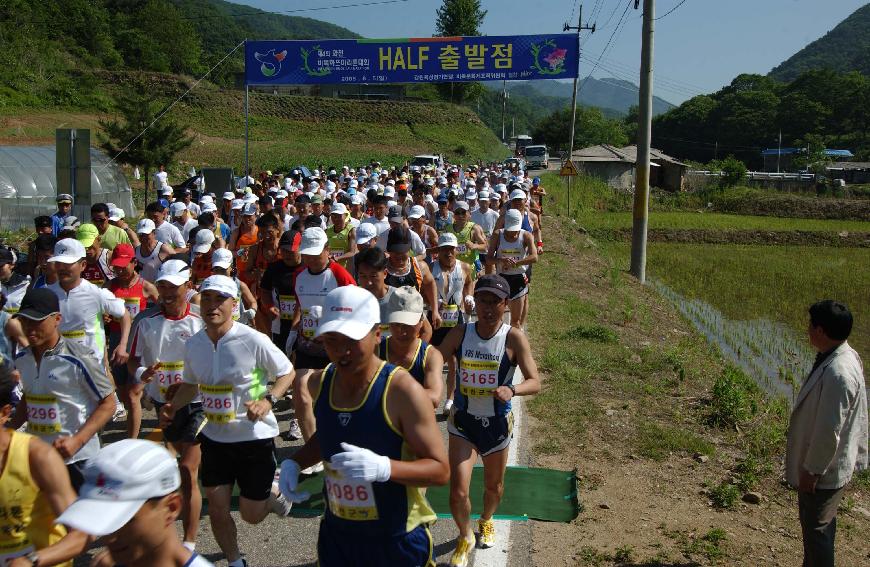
122, 255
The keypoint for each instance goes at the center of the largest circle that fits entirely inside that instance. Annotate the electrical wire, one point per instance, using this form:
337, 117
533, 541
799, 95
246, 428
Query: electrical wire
168, 108
610, 39
671, 11
296, 11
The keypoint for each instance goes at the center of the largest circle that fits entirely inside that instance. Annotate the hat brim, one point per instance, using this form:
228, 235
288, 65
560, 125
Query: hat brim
174, 279
404, 317
501, 294
313, 250
64, 202
224, 265
87, 242
355, 330
201, 248
65, 259
363, 239
99, 517
120, 262
33, 314
397, 219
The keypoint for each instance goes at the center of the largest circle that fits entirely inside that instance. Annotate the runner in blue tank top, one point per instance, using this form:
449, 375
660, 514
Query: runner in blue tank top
403, 348
377, 437
487, 353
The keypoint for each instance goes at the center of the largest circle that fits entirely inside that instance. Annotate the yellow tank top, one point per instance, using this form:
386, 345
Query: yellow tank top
26, 518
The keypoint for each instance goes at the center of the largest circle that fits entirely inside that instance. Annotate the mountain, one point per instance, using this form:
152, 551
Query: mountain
51, 51
613, 96
844, 48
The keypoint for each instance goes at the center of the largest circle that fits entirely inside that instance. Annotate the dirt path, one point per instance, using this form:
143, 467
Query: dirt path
645, 493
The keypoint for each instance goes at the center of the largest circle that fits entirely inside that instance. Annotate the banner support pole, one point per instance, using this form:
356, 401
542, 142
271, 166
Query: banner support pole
247, 166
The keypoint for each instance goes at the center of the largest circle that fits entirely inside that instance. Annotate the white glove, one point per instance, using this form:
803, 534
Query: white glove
357, 463
288, 482
291, 340
469, 301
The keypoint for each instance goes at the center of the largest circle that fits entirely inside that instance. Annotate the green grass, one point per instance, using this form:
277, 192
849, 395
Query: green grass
601, 220
657, 441
773, 282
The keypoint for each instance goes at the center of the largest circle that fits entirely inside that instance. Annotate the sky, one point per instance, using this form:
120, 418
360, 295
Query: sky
698, 48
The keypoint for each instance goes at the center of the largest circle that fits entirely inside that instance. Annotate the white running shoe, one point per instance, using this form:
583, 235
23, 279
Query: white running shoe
295, 432
279, 505
448, 404
313, 469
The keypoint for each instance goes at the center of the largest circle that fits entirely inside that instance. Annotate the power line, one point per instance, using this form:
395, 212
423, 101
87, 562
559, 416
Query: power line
671, 11
296, 11
610, 39
168, 108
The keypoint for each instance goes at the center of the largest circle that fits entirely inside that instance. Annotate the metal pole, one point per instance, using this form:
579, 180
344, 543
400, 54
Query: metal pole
72, 166
644, 134
247, 166
580, 27
503, 107
778, 151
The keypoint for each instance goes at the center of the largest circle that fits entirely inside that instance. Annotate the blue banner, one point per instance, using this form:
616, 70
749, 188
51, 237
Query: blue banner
412, 60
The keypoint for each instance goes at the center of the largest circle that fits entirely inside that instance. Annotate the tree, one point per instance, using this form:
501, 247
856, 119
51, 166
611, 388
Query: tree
455, 18
133, 139
590, 128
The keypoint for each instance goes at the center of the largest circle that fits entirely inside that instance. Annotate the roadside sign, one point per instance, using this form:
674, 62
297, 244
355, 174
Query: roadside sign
569, 169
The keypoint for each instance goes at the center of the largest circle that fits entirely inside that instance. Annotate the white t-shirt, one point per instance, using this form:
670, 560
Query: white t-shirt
186, 228
236, 370
168, 233
160, 179
197, 560
381, 226
486, 220
82, 311
158, 338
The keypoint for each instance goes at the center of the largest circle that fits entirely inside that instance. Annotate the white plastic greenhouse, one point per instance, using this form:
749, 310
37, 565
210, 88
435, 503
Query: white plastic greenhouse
28, 185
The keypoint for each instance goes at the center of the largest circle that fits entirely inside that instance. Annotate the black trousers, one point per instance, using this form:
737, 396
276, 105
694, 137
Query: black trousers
818, 516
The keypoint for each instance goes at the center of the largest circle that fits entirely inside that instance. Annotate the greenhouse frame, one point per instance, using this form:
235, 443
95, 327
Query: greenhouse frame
28, 185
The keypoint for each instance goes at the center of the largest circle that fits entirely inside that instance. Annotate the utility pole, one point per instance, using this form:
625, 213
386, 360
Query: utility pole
503, 107
644, 134
778, 151
580, 27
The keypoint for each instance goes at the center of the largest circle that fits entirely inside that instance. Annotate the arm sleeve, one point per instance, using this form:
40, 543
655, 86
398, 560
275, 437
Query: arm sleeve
342, 276
835, 402
187, 375
111, 304
178, 238
271, 359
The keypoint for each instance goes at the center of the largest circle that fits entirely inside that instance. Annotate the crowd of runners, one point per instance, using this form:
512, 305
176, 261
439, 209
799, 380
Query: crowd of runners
347, 292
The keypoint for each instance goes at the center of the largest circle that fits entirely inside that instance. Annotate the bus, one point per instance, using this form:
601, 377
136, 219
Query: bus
519, 144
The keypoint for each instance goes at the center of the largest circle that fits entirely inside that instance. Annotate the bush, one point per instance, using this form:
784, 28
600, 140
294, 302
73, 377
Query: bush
725, 495
734, 170
733, 399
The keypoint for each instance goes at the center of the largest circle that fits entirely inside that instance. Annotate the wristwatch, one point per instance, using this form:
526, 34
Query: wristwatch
271, 399
33, 557
513, 389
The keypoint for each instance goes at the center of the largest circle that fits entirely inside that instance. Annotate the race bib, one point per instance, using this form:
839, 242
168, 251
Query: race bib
43, 415
349, 499
11, 310
217, 403
461, 249
237, 311
449, 315
168, 373
478, 378
286, 305
385, 329
309, 324
132, 304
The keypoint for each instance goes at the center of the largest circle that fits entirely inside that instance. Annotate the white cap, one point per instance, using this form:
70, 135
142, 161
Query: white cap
447, 239
365, 232
237, 204
209, 208
166, 190
513, 220
405, 306
116, 214
249, 209
349, 310
483, 195
353, 183
338, 209
177, 209
356, 199
460, 206
429, 198
518, 194
68, 251
119, 479
314, 186
470, 196
229, 196
416, 212
145, 226
204, 240
313, 241
175, 272
222, 258
389, 191
250, 198
206, 199
224, 285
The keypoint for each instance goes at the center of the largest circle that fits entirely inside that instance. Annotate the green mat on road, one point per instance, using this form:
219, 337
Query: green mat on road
539, 494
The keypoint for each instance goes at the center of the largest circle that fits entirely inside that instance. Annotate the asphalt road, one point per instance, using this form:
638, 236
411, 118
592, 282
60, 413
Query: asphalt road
279, 542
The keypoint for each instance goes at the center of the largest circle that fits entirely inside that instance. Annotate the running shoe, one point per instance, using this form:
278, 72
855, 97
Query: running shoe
313, 469
462, 553
448, 404
120, 413
295, 432
487, 533
278, 504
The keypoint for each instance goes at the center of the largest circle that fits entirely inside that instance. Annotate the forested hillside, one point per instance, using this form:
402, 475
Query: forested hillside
49, 49
844, 48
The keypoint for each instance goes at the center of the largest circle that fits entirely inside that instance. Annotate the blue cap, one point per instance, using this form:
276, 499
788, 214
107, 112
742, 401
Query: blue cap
536, 181
442, 198
351, 191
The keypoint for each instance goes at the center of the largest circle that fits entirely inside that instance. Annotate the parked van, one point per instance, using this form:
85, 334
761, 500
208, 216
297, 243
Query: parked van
537, 157
435, 160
